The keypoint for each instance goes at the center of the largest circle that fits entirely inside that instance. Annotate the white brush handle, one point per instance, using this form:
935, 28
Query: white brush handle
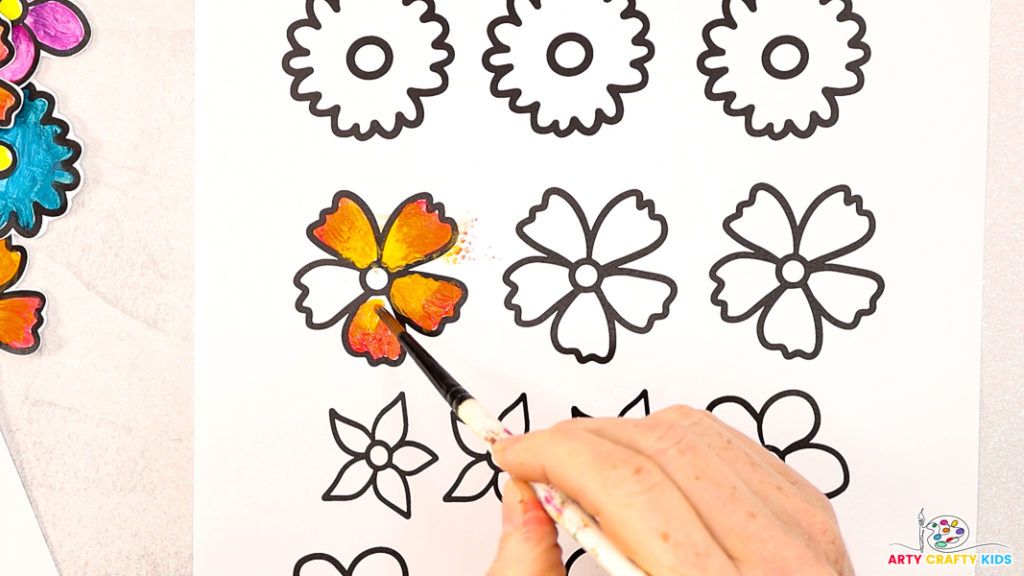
562, 509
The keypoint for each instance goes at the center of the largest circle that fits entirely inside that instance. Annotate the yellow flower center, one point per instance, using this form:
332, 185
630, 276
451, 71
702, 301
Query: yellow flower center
7, 158
11, 9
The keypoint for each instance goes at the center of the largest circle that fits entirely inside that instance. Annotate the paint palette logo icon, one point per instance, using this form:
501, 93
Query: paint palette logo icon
947, 533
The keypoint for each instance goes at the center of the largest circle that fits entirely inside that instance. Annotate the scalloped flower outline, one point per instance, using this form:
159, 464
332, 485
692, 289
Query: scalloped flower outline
381, 457
789, 277
779, 95
786, 447
563, 97
368, 72
581, 278
38, 166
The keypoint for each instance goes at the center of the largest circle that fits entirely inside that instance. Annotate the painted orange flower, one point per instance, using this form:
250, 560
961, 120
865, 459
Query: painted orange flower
21, 313
417, 232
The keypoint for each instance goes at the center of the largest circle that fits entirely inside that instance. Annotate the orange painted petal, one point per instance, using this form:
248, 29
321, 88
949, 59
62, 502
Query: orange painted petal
417, 232
11, 261
427, 301
367, 336
20, 320
10, 103
347, 230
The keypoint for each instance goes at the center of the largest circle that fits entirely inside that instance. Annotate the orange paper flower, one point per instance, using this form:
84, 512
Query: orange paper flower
21, 313
417, 232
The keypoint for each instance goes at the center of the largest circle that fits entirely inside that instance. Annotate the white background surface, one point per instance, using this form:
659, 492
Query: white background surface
101, 430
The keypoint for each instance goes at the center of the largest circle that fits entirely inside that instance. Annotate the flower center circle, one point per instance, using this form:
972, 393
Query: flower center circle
584, 275
376, 279
785, 57
792, 271
11, 9
370, 58
570, 54
378, 455
8, 159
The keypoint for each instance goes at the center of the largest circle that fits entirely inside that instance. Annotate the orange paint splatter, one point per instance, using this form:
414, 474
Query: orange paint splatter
417, 234
18, 318
348, 232
425, 301
368, 335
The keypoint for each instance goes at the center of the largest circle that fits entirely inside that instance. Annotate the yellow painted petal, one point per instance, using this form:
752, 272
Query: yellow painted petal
426, 301
10, 263
417, 234
346, 230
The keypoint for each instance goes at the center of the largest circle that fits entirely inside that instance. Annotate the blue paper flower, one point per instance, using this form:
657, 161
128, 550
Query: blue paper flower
37, 166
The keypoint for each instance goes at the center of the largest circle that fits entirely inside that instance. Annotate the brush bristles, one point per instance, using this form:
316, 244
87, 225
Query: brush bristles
390, 321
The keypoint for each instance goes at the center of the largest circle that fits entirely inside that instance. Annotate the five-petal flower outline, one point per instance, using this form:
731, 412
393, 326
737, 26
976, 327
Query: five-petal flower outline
789, 276
381, 457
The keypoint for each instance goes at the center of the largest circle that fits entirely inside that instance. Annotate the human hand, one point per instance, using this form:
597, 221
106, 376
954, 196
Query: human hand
679, 492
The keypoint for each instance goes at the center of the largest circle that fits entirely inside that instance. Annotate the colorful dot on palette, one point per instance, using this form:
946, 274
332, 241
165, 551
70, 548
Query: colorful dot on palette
936, 537
955, 522
959, 531
945, 530
944, 522
940, 544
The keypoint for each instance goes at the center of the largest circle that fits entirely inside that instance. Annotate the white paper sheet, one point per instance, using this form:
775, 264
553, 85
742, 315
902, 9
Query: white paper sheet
891, 250
23, 549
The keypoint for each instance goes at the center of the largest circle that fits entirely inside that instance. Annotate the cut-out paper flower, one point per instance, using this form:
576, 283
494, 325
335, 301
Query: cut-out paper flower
789, 277
782, 64
381, 457
581, 278
37, 166
639, 407
21, 312
53, 27
567, 63
368, 267
786, 426
10, 95
481, 475
368, 65
379, 561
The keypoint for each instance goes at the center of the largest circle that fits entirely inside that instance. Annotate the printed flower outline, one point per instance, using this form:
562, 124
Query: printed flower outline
566, 96
381, 457
790, 276
54, 27
785, 447
384, 562
593, 290
782, 65
416, 233
368, 69
639, 407
21, 312
481, 475
37, 166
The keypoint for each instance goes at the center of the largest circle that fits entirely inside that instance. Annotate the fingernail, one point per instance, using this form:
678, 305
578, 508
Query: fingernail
513, 506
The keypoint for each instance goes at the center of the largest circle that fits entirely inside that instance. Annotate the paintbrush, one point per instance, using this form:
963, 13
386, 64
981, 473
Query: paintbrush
562, 509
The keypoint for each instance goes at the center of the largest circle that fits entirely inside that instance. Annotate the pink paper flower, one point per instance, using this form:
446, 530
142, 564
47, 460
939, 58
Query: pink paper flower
56, 27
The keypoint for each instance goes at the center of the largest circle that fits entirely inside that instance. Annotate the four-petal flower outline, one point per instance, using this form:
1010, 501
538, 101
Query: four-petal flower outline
417, 232
782, 64
368, 65
481, 475
21, 312
381, 457
789, 275
567, 63
581, 278
786, 447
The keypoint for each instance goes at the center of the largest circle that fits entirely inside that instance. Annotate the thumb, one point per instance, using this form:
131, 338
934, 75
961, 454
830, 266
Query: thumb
528, 545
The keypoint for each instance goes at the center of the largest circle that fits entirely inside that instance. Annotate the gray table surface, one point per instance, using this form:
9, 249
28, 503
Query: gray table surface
100, 421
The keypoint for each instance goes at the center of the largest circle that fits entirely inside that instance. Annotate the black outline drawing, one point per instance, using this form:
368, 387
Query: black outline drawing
5, 295
573, 558
819, 264
483, 458
351, 570
642, 400
364, 456
775, 44
348, 312
40, 47
614, 90
385, 66
613, 268
830, 94
805, 443
63, 191
333, 112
